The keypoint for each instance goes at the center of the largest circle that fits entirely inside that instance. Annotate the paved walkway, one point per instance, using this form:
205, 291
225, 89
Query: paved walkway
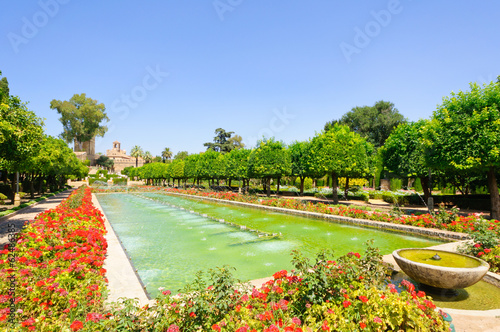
20, 217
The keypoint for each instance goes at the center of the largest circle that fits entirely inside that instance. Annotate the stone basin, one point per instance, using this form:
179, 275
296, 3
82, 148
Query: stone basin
452, 271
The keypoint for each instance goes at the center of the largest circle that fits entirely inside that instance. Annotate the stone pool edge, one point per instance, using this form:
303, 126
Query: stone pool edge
123, 281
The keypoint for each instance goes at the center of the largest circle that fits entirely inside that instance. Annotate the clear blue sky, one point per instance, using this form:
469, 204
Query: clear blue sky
171, 72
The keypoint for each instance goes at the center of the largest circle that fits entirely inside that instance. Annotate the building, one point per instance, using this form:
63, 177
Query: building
121, 159
85, 151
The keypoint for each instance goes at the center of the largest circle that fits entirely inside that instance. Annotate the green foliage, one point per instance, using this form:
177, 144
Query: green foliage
126, 170
396, 184
81, 118
464, 135
221, 141
270, 159
492, 256
403, 152
417, 185
375, 123
181, 155
308, 183
237, 164
120, 181
105, 161
341, 153
137, 153
2, 198
20, 134
483, 237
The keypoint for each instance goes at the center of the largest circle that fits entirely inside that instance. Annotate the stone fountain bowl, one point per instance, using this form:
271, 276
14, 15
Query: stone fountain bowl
447, 277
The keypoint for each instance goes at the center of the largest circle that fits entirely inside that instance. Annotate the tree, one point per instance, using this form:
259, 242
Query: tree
21, 132
81, 118
105, 161
166, 154
222, 141
404, 153
136, 153
375, 123
190, 168
148, 157
4, 89
236, 142
300, 153
209, 165
181, 155
464, 135
270, 160
237, 165
341, 153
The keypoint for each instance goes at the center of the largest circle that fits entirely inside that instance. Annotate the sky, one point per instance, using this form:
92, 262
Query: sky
171, 72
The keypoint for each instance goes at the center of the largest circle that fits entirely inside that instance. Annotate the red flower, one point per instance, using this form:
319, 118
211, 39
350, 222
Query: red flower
76, 325
216, 327
346, 303
487, 250
362, 325
363, 299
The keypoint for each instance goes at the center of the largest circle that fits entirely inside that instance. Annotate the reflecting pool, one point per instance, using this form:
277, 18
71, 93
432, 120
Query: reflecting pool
169, 244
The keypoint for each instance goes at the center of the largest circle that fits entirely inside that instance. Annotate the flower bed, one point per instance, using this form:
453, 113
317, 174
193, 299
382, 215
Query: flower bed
56, 270
350, 294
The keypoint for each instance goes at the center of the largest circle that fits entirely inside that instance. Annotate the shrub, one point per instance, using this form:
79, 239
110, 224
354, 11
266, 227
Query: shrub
120, 181
2, 198
492, 256
308, 183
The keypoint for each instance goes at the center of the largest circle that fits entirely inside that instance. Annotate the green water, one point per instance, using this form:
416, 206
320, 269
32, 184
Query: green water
448, 259
480, 296
168, 245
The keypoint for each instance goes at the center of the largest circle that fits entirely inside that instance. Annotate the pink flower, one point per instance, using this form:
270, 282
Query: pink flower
173, 328
377, 319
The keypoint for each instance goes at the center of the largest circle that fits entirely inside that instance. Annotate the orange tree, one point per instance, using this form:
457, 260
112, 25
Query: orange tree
464, 135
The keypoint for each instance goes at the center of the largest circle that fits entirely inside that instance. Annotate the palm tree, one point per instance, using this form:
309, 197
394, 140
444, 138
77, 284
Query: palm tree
136, 153
148, 157
166, 154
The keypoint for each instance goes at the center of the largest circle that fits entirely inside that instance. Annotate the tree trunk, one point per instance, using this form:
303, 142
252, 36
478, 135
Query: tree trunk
495, 199
302, 179
229, 183
334, 188
32, 186
424, 180
268, 187
278, 187
346, 189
